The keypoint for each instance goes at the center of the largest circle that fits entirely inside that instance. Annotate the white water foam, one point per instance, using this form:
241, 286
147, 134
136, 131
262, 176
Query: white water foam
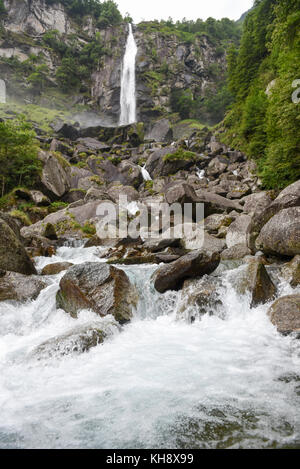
161, 383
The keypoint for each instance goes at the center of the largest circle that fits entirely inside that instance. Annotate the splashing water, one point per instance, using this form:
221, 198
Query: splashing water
225, 381
128, 92
145, 174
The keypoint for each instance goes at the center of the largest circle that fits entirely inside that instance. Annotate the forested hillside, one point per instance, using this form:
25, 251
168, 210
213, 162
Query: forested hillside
264, 120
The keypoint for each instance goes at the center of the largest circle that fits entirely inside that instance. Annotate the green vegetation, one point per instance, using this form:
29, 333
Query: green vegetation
266, 125
222, 31
18, 155
180, 154
106, 13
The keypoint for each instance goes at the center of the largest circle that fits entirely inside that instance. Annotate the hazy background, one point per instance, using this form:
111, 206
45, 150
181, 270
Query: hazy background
190, 9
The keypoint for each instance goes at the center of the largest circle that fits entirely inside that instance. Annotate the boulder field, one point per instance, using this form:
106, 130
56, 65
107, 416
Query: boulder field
240, 223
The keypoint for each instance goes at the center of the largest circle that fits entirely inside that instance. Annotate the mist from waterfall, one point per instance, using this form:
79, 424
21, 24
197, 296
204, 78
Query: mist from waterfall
128, 91
2, 92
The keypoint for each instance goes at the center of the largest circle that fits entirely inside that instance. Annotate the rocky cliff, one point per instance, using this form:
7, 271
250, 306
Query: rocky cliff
36, 33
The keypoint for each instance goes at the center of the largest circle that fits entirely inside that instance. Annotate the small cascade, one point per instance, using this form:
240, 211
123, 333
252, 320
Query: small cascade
2, 92
128, 90
145, 174
201, 174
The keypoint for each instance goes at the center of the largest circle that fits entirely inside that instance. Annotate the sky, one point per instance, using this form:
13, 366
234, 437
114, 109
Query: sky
190, 9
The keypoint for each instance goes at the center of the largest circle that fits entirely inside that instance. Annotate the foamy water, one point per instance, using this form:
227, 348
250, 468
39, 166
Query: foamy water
226, 382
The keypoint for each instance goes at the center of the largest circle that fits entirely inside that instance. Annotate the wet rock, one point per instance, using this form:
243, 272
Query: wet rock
54, 269
285, 314
256, 282
238, 251
199, 297
291, 271
78, 341
13, 256
40, 246
194, 264
18, 287
93, 144
99, 287
281, 235
130, 174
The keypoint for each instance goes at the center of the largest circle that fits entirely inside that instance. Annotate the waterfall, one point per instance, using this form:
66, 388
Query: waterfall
128, 96
2, 92
145, 174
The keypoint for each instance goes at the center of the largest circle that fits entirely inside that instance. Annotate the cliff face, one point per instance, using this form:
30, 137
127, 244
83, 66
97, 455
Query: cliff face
164, 61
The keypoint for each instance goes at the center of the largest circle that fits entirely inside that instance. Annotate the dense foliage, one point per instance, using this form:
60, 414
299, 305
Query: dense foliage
264, 120
106, 13
18, 155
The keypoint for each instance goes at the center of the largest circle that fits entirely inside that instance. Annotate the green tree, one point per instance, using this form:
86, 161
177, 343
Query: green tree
18, 155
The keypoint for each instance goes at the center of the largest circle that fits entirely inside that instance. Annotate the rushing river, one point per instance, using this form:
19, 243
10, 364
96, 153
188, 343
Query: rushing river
227, 381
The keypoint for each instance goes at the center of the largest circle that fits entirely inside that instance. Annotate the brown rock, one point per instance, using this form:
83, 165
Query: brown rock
54, 269
285, 314
195, 264
99, 287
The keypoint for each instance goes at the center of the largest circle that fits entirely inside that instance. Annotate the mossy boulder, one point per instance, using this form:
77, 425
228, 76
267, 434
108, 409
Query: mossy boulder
13, 256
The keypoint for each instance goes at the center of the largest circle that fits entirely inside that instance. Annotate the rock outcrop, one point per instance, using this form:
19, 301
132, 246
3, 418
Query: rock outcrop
98, 287
285, 314
281, 235
195, 264
18, 287
13, 256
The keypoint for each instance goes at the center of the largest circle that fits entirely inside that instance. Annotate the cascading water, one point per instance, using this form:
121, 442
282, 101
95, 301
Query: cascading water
2, 92
226, 381
145, 174
128, 90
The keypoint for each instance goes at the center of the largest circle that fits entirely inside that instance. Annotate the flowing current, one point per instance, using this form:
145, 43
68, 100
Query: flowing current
228, 380
128, 91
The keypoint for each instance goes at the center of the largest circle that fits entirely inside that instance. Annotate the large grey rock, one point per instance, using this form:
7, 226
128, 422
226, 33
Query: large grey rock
56, 175
130, 174
216, 204
116, 191
257, 202
288, 198
18, 287
291, 271
161, 131
79, 340
98, 287
255, 282
195, 264
237, 231
238, 251
285, 314
199, 297
13, 256
281, 235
